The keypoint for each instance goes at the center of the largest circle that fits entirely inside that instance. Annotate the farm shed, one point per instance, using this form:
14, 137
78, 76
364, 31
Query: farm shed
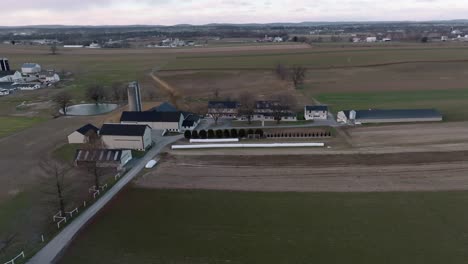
81, 135
389, 116
103, 158
123, 136
316, 112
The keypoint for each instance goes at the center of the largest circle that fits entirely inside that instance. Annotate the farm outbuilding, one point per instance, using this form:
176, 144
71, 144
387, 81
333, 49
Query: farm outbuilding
389, 116
103, 158
123, 136
81, 135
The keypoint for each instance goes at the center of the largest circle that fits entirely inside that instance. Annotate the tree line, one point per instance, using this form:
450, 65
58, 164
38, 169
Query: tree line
226, 133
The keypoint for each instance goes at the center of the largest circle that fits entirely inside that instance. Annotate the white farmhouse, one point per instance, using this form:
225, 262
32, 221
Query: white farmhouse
371, 39
123, 136
30, 68
316, 112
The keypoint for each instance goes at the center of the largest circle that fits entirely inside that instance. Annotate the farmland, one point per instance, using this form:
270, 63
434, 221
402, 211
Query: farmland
169, 226
11, 125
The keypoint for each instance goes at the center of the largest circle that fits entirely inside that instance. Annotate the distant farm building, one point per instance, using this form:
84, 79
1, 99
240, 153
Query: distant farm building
226, 109
123, 136
102, 158
316, 112
171, 121
389, 116
81, 135
30, 68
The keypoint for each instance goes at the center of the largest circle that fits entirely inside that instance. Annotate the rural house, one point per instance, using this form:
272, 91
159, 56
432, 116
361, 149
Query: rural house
123, 136
224, 109
102, 158
388, 116
316, 112
268, 110
171, 121
81, 135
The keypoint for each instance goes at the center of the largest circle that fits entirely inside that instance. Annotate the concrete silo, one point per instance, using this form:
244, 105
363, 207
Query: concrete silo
134, 97
4, 65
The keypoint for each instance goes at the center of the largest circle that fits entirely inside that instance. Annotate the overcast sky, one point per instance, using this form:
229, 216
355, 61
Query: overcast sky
170, 12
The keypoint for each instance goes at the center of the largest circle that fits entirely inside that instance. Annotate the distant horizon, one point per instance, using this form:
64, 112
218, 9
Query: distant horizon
202, 12
240, 24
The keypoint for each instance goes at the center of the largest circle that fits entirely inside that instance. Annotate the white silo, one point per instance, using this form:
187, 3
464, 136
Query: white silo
134, 97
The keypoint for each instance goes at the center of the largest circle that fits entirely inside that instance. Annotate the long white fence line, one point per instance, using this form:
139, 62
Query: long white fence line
215, 140
271, 145
14, 259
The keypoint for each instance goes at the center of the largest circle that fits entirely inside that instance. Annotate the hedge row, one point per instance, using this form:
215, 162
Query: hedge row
233, 133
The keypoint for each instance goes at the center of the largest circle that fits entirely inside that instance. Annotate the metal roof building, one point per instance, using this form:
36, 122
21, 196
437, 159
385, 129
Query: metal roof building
390, 115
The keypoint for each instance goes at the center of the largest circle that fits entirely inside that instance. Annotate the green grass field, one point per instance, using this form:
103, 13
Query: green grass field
314, 58
449, 102
175, 226
10, 125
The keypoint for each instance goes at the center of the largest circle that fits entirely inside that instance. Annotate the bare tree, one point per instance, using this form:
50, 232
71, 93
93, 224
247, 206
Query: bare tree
118, 92
6, 242
53, 49
216, 111
63, 100
298, 74
96, 93
150, 94
247, 105
56, 190
94, 143
281, 71
216, 93
283, 105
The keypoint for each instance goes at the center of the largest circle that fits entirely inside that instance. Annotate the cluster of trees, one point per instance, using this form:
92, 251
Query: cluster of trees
226, 133
117, 92
296, 74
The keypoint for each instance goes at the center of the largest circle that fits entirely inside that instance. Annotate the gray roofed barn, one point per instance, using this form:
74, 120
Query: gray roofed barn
150, 116
165, 107
122, 130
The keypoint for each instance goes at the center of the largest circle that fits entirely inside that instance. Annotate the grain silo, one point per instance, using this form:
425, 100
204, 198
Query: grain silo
134, 97
4, 65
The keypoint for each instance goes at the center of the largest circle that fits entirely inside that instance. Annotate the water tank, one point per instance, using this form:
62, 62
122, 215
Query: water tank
4, 65
134, 97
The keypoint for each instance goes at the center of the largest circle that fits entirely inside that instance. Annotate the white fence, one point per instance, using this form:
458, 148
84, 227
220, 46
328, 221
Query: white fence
271, 145
217, 140
14, 259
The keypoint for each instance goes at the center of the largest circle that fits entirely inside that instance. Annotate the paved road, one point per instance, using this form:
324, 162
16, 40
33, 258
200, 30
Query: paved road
49, 253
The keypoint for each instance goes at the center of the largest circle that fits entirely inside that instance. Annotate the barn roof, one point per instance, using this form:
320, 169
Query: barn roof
223, 104
122, 130
86, 128
102, 155
395, 113
316, 107
150, 116
165, 107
